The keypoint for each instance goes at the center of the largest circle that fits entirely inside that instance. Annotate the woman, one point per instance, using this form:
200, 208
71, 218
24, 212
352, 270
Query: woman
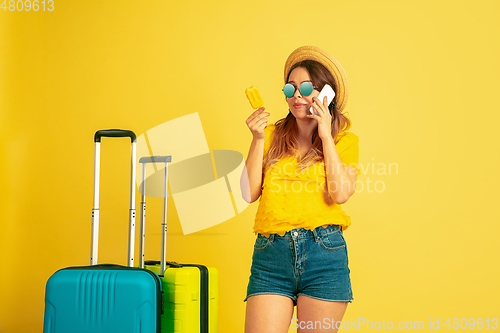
304, 166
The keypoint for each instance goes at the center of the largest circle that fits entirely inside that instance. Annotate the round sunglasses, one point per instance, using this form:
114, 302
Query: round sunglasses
306, 89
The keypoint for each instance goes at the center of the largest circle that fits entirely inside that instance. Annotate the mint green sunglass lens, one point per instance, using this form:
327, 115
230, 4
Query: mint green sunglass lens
289, 90
306, 88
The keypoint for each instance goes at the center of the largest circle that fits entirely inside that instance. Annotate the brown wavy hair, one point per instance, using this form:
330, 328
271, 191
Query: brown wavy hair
285, 142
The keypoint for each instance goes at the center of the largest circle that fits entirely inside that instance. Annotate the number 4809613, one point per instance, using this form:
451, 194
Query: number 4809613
27, 5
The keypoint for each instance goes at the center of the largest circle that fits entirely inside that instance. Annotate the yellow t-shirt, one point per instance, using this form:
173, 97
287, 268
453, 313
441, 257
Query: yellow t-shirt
291, 199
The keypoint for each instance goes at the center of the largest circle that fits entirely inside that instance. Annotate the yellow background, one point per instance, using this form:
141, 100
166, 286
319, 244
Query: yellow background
423, 80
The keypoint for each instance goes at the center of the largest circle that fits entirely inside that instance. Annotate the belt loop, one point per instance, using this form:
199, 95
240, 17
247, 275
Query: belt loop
316, 237
271, 237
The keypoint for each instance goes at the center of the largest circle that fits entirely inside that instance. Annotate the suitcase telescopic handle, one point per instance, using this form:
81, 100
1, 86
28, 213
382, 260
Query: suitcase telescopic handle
114, 133
117, 133
145, 160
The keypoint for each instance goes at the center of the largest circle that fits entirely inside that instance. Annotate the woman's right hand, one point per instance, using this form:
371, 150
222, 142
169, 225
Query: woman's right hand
257, 122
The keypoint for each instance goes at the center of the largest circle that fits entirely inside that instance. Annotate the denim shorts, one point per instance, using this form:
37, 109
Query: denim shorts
302, 262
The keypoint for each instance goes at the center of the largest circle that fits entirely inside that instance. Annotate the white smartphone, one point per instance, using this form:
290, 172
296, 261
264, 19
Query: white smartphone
326, 91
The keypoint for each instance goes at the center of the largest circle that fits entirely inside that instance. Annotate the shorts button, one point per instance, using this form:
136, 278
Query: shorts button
295, 233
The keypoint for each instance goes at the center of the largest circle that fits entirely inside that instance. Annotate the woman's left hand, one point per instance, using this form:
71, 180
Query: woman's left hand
324, 118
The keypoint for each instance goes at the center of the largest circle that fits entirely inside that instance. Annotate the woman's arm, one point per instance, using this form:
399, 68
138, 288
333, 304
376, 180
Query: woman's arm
251, 178
341, 180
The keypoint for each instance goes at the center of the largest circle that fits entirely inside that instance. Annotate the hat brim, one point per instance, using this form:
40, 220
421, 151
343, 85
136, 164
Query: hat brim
330, 63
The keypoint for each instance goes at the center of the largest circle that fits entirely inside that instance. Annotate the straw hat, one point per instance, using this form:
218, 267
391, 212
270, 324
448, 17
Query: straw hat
330, 63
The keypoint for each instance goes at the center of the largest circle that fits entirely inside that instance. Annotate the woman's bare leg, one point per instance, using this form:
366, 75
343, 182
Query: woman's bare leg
268, 314
318, 314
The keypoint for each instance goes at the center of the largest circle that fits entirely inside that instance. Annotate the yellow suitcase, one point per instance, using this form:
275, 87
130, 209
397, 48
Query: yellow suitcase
191, 292
191, 297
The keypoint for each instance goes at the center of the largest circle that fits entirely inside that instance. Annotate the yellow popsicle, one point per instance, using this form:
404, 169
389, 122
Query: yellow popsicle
254, 97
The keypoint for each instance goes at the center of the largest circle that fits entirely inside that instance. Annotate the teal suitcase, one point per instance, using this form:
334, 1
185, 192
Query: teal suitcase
105, 298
